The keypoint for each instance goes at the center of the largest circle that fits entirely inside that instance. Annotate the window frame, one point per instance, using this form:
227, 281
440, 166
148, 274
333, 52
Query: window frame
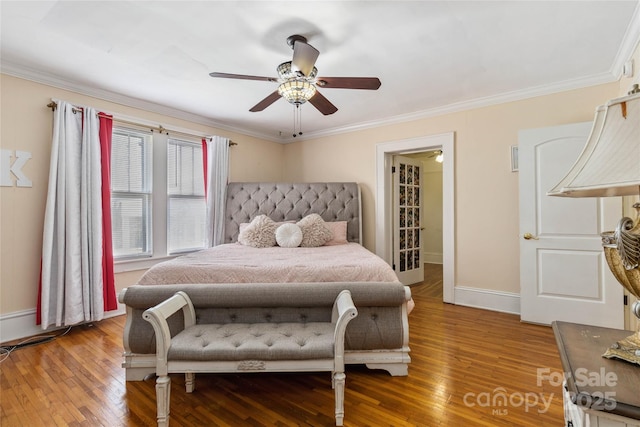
145, 197
159, 204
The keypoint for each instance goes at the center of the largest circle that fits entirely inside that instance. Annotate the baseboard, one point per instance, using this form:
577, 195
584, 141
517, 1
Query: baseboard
432, 257
22, 324
506, 302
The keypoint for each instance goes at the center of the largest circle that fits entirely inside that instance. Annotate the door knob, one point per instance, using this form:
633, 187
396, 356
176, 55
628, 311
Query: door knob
529, 236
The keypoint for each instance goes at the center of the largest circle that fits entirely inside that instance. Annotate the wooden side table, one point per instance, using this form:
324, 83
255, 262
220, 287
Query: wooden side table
598, 391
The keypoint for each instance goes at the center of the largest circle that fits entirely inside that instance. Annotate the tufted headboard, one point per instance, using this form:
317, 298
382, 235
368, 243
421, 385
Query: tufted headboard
291, 201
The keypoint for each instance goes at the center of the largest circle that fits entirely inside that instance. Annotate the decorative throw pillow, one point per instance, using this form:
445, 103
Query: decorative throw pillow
288, 235
244, 225
260, 233
314, 231
339, 231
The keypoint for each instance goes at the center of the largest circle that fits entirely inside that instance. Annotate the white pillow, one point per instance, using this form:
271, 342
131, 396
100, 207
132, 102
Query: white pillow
260, 233
289, 235
314, 231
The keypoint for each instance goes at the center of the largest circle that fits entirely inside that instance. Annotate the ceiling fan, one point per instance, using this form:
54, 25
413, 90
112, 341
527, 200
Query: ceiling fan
298, 82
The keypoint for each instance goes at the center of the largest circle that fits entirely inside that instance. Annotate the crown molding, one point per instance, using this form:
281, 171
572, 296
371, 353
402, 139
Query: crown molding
48, 79
624, 53
630, 42
488, 101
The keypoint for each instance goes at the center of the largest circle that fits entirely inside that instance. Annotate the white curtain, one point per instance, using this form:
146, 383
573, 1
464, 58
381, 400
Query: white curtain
217, 179
71, 279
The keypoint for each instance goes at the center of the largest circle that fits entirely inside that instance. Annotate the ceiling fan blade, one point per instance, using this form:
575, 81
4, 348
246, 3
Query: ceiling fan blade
243, 77
266, 102
323, 104
371, 83
304, 57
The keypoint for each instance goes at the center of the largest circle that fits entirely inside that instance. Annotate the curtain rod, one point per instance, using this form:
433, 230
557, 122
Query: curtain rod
159, 128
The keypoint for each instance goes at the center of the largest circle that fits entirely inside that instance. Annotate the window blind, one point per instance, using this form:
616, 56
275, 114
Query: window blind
186, 210
131, 193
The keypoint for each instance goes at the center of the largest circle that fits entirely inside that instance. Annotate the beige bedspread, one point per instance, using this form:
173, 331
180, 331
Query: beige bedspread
236, 263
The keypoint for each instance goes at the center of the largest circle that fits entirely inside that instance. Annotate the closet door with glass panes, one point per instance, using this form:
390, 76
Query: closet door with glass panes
407, 239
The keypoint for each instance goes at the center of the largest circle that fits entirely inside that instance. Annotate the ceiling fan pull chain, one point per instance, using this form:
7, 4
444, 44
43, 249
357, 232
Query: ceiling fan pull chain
297, 120
294, 121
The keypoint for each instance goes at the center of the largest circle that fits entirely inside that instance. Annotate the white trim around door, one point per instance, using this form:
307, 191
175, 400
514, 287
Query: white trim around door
384, 205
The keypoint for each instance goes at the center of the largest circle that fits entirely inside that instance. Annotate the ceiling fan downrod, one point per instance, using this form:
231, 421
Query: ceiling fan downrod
291, 40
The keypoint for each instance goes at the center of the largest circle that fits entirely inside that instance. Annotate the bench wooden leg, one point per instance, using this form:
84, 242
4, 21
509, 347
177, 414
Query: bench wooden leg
338, 381
163, 400
189, 381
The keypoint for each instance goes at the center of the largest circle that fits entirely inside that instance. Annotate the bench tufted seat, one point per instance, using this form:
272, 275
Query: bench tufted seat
260, 341
260, 346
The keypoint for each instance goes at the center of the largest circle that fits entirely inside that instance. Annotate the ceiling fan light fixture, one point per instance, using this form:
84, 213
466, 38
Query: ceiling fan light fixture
298, 80
439, 157
286, 72
297, 92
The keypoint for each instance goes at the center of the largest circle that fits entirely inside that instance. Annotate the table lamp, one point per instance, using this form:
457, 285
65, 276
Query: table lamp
609, 165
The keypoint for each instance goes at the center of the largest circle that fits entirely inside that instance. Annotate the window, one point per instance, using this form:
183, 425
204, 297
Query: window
185, 188
131, 193
158, 205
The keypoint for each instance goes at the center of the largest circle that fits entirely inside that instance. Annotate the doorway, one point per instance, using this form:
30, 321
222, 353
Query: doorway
384, 200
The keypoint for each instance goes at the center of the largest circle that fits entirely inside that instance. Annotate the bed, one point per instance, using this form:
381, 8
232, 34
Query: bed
384, 326
237, 263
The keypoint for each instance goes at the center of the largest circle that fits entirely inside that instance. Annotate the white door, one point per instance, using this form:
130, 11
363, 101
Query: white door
407, 236
563, 272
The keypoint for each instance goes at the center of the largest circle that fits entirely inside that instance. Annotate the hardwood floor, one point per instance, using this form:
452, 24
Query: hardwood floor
464, 361
431, 287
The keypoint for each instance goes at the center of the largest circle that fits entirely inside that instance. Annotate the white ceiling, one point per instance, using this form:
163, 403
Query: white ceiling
431, 56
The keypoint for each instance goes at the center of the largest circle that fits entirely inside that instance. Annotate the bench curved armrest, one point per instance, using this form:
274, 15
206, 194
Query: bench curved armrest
158, 316
343, 312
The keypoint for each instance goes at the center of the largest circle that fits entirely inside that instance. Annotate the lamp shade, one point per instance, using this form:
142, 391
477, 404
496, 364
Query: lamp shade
609, 164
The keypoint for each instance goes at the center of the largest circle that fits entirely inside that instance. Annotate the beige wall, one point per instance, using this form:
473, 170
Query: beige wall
432, 211
26, 125
486, 198
486, 191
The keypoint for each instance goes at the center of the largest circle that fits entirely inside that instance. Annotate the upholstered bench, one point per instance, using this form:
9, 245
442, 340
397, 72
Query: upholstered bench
377, 338
255, 345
